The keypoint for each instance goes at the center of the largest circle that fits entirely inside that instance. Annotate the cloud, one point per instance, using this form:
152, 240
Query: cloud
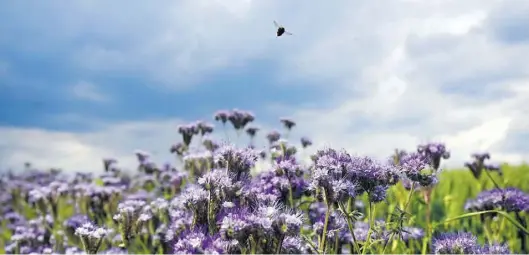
392, 73
88, 91
84, 151
75, 151
433, 75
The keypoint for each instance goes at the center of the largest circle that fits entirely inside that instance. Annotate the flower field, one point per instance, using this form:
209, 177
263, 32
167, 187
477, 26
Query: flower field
211, 200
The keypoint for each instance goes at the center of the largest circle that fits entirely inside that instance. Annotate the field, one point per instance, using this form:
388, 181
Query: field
213, 202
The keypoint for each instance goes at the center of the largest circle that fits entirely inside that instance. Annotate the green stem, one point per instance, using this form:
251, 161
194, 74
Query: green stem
290, 197
209, 214
281, 239
325, 224
492, 179
406, 204
371, 224
350, 225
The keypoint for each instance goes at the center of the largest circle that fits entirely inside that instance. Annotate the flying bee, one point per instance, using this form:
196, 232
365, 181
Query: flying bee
281, 30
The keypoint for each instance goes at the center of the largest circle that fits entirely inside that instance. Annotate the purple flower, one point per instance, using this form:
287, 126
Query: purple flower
187, 132
130, 218
204, 127
235, 226
142, 155
210, 144
197, 242
288, 123
178, 148
495, 249
335, 169
239, 119
288, 224
237, 161
108, 164
434, 151
509, 199
221, 116
251, 131
195, 198
477, 166
414, 167
273, 136
76, 221
294, 245
305, 142
412, 233
455, 243
91, 236
198, 163
219, 183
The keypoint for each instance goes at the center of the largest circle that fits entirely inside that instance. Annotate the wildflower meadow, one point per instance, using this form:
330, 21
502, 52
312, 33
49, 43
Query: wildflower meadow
213, 199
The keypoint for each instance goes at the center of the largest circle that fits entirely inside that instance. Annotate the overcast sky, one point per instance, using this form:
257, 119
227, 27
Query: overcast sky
82, 80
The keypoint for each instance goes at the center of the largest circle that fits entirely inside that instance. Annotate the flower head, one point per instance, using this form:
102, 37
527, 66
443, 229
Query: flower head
288, 123
455, 243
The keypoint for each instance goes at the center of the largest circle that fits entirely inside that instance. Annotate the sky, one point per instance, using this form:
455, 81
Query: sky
83, 80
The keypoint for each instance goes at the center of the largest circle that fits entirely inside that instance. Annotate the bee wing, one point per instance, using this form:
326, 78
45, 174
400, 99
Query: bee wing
288, 33
276, 24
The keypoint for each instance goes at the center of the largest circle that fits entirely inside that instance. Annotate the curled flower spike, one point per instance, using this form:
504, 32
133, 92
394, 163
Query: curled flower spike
288, 123
509, 199
464, 243
187, 132
142, 155
435, 152
273, 136
178, 148
210, 144
252, 131
239, 119
477, 166
91, 237
305, 142
236, 161
204, 128
222, 116
108, 164
128, 218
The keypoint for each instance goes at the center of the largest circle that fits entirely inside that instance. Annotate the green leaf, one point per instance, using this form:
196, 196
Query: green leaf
472, 214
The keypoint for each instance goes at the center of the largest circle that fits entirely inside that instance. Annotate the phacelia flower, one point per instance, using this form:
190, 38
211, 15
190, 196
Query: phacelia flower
273, 136
221, 116
239, 119
509, 199
204, 128
288, 123
455, 243
187, 132
477, 166
305, 142
252, 131
91, 237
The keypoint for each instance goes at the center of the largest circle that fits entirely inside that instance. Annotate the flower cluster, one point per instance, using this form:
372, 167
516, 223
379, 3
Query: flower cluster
477, 166
464, 243
509, 199
219, 198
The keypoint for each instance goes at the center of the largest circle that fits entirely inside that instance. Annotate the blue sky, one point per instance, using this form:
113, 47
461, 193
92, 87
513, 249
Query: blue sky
82, 80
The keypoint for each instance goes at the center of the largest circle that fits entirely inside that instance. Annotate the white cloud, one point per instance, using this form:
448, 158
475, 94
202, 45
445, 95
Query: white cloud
85, 151
88, 91
402, 72
408, 73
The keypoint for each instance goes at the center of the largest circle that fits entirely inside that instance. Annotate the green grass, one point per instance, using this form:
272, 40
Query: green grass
448, 201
